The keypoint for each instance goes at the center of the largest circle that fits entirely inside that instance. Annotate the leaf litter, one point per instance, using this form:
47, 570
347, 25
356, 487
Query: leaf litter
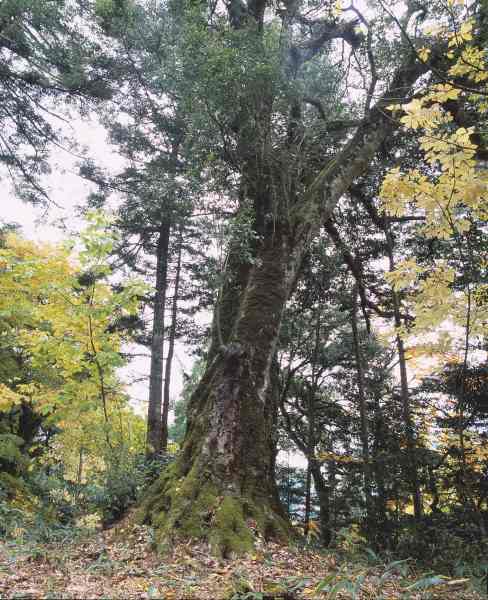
120, 564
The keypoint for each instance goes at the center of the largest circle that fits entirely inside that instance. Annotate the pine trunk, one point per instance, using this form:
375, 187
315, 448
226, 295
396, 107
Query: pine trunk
154, 411
171, 349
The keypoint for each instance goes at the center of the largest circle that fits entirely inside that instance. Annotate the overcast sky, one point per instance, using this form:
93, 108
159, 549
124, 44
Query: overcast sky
66, 189
53, 224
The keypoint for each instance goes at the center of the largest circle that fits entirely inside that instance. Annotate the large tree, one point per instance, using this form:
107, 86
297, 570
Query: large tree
266, 94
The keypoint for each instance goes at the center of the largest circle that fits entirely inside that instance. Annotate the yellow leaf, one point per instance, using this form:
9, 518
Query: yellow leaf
8, 398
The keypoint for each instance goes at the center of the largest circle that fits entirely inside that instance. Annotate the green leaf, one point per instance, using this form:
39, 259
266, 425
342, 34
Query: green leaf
344, 584
426, 582
325, 583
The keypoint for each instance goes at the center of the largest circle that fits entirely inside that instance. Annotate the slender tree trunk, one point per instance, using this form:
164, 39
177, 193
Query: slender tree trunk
311, 422
308, 496
466, 477
154, 412
405, 394
101, 379
79, 475
324, 502
434, 492
288, 491
379, 454
396, 494
364, 417
171, 347
332, 488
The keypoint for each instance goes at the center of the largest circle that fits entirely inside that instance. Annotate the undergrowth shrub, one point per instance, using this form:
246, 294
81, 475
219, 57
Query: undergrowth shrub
44, 505
38, 507
121, 483
440, 540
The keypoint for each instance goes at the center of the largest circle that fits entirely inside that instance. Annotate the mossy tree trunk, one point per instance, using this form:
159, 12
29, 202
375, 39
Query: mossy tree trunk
222, 486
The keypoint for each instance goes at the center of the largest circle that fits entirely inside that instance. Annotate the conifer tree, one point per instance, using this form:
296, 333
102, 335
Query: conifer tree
50, 60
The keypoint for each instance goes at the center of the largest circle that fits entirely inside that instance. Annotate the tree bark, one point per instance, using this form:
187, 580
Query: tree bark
332, 492
311, 422
434, 491
79, 475
308, 496
379, 454
154, 411
324, 502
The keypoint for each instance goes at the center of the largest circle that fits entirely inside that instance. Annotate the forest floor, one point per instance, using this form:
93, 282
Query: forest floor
119, 563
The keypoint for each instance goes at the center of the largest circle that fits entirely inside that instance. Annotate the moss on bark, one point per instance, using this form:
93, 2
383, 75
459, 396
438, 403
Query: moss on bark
221, 488
193, 507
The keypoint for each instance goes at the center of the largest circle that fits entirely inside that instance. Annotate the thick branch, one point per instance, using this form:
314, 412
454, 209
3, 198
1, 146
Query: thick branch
339, 174
328, 31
